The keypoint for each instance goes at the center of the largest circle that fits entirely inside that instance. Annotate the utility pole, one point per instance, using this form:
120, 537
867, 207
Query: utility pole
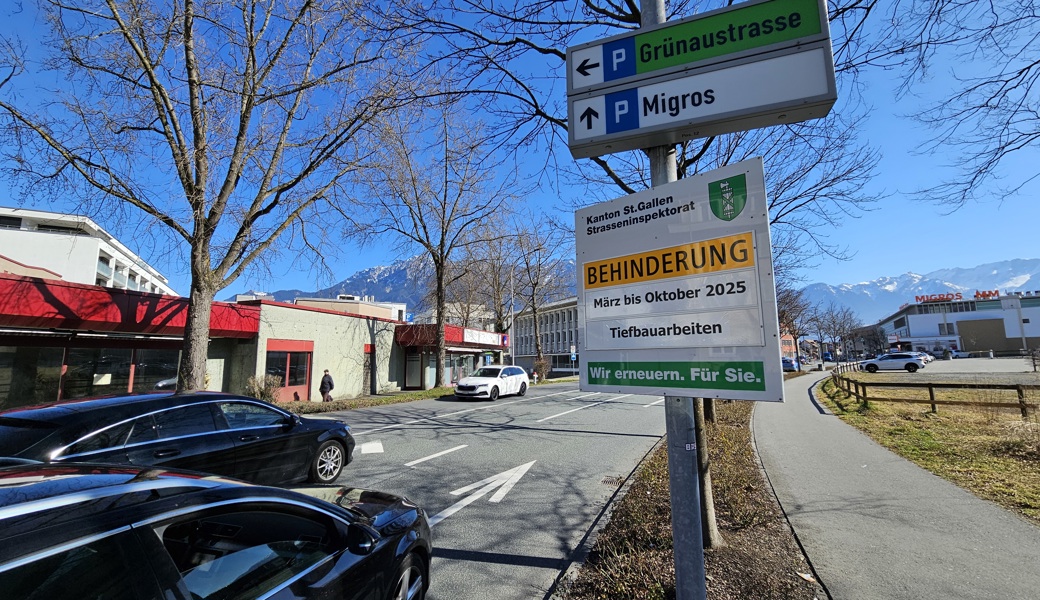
681, 424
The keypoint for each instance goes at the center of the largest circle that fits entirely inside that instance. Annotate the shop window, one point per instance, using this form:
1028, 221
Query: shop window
96, 372
153, 366
29, 375
291, 368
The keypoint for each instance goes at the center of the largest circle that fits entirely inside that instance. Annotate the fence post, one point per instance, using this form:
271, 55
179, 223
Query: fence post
931, 395
863, 401
1022, 406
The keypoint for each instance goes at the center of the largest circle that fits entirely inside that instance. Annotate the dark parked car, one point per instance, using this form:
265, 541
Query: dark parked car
211, 432
75, 531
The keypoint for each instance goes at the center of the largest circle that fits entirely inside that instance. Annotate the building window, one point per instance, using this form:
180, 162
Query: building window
11, 222
290, 368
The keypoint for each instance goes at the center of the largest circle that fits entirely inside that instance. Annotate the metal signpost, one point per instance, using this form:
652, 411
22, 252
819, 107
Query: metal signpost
677, 294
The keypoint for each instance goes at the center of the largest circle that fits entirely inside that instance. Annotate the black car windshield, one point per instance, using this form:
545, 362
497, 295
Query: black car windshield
486, 372
18, 434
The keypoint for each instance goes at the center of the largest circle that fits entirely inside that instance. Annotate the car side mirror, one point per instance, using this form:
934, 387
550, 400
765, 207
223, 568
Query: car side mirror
360, 541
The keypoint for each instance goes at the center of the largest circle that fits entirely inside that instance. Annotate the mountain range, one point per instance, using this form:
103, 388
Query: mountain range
874, 300
405, 281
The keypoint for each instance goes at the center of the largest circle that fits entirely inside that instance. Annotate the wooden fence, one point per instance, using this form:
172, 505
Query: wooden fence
859, 390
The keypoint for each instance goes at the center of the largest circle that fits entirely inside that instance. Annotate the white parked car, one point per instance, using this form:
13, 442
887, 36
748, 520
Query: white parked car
895, 361
493, 381
927, 358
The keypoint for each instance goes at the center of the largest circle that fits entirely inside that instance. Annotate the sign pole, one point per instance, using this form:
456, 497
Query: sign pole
683, 474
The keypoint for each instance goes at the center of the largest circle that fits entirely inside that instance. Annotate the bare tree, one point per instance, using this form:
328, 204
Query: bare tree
794, 311
541, 251
431, 194
991, 111
499, 53
225, 125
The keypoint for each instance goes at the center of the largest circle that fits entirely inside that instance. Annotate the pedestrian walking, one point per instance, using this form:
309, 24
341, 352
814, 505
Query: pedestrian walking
326, 387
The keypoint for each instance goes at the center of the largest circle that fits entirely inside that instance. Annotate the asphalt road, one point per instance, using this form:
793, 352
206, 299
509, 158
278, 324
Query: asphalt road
512, 486
876, 526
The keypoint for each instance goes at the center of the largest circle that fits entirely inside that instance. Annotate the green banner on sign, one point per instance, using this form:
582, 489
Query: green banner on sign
728, 375
733, 31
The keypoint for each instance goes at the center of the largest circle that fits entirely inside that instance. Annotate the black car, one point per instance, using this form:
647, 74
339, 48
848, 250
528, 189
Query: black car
76, 531
211, 432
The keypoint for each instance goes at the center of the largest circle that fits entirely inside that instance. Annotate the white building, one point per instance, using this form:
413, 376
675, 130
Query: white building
558, 329
1006, 324
76, 249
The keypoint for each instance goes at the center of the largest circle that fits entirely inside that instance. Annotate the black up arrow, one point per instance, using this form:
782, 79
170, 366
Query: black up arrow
584, 67
588, 115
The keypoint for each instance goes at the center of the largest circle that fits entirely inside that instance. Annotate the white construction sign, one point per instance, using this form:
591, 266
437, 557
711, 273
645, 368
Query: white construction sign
677, 295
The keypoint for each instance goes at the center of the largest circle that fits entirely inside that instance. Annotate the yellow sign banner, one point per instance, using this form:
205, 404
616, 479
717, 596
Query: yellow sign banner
707, 256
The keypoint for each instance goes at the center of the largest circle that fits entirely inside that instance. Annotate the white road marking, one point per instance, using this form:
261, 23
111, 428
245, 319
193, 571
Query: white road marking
375, 447
441, 453
506, 479
451, 414
582, 407
653, 403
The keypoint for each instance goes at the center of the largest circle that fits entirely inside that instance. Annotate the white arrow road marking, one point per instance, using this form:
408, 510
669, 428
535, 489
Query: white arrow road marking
441, 453
375, 447
583, 407
506, 479
653, 403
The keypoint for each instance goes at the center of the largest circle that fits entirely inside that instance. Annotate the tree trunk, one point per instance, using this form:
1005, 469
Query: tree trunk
709, 410
438, 379
710, 527
192, 371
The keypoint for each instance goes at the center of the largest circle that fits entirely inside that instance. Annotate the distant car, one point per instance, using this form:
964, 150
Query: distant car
166, 384
927, 358
493, 381
104, 531
224, 434
960, 354
895, 361
788, 364
827, 356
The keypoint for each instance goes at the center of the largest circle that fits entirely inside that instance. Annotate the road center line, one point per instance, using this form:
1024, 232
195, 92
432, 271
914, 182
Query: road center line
441, 453
458, 412
653, 403
582, 407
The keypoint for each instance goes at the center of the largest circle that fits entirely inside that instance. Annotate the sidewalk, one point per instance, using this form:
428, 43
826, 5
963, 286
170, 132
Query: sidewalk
876, 526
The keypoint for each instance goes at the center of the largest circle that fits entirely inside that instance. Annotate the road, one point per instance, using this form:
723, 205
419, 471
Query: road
512, 487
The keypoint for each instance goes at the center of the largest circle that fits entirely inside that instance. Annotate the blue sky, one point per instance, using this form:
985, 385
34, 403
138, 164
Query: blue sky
899, 235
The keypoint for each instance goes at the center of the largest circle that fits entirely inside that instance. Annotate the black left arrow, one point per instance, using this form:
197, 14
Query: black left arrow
584, 67
588, 115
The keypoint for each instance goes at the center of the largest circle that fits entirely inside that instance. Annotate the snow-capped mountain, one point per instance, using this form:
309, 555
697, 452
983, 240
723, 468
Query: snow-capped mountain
874, 300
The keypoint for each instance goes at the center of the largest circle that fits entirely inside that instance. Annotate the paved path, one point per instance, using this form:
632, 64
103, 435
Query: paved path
876, 526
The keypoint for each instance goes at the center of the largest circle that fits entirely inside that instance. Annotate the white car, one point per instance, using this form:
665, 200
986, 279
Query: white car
493, 381
895, 361
924, 356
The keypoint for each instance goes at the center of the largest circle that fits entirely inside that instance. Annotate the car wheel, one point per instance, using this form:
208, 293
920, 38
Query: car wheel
871, 368
410, 583
328, 462
911, 368
493, 394
523, 389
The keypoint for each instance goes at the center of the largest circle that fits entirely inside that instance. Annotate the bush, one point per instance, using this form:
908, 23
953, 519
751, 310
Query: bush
542, 367
266, 390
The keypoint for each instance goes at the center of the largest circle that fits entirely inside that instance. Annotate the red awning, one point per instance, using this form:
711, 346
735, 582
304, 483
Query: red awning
27, 302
